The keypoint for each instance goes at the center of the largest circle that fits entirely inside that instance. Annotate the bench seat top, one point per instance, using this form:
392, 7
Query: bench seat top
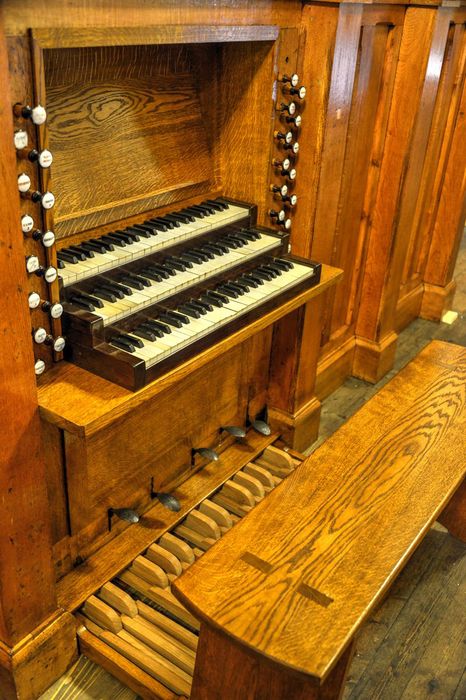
295, 579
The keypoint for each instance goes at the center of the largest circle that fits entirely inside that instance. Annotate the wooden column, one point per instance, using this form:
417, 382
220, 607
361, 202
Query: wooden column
439, 286
416, 81
27, 590
294, 410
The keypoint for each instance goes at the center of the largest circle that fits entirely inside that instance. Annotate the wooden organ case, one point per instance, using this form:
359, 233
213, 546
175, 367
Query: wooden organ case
154, 116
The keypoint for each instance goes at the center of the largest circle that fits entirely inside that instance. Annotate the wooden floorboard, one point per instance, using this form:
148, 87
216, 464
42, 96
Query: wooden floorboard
414, 646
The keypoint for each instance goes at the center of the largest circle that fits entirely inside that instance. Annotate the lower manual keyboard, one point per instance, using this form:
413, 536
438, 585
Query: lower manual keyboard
173, 330
139, 349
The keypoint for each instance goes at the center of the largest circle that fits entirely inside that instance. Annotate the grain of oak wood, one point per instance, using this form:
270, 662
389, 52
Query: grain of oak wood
369, 494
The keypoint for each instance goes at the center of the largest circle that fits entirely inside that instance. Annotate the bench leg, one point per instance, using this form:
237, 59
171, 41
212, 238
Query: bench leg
453, 516
226, 670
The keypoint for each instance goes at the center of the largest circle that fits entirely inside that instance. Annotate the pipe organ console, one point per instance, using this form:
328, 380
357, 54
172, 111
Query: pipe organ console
183, 183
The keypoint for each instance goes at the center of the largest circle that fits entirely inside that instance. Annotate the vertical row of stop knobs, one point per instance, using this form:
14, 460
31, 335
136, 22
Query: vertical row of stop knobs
289, 103
36, 260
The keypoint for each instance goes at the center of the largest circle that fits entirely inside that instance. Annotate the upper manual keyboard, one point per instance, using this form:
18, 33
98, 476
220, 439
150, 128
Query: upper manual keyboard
120, 247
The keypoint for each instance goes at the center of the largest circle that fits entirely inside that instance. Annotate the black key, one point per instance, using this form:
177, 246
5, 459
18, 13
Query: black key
221, 245
108, 244
91, 247
60, 264
231, 243
152, 275
154, 332
237, 235
235, 286
224, 289
245, 286
175, 322
177, 220
159, 224
273, 266
254, 277
251, 234
179, 258
176, 316
84, 251
104, 294
126, 237
178, 264
263, 274
80, 254
117, 284
270, 269
215, 295
206, 208
212, 248
112, 289
134, 282
197, 251
223, 206
123, 344
114, 240
284, 264
194, 211
135, 341
147, 334
154, 323
187, 214
210, 254
141, 230
189, 311
212, 301
197, 306
161, 269
202, 304
83, 303
189, 259
91, 300
67, 257
247, 282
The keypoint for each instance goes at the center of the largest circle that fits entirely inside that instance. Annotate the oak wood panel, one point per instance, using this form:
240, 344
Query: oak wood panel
27, 593
406, 462
48, 14
416, 155
448, 226
446, 103
64, 396
140, 36
114, 107
385, 251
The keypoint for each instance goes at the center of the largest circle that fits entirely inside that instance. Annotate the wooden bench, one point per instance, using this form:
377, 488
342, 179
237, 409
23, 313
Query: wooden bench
282, 596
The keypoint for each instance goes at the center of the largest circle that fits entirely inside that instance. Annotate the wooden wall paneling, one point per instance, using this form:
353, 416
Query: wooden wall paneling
121, 13
448, 227
438, 150
432, 109
375, 336
317, 21
246, 121
27, 593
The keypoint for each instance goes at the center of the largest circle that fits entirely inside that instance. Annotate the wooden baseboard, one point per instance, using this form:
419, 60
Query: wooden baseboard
408, 308
29, 668
374, 359
299, 430
436, 300
334, 368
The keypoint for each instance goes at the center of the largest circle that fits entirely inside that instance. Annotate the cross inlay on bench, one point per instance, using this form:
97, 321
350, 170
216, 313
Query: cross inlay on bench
282, 595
